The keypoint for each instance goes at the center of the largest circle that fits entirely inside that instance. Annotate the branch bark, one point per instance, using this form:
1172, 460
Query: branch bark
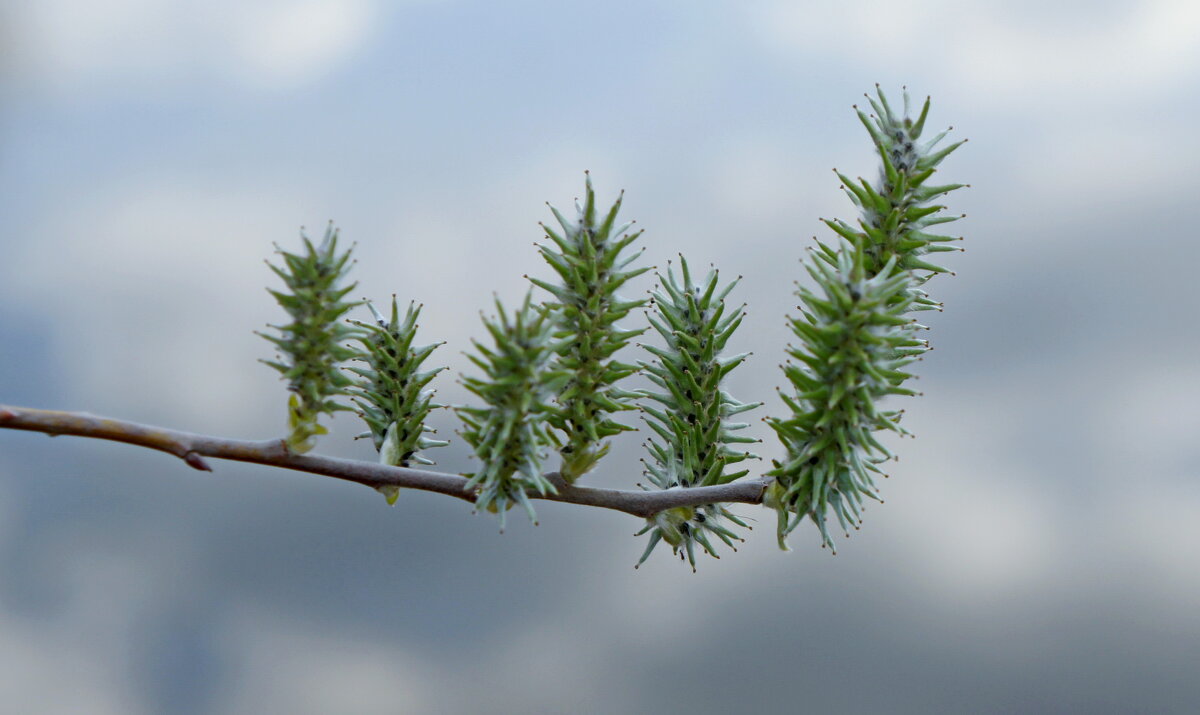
193, 448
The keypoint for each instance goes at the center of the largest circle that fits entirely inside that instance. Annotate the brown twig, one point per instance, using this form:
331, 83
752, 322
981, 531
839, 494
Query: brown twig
193, 448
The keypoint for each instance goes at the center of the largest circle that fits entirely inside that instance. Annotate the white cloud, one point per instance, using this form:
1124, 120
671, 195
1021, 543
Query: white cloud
1156, 534
1069, 170
73, 655
552, 664
1005, 55
1148, 420
279, 44
153, 290
297, 668
977, 530
286, 43
52, 670
753, 179
976, 521
1149, 46
453, 250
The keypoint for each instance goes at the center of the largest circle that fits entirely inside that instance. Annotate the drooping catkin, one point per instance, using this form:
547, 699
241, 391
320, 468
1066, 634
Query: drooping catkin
855, 333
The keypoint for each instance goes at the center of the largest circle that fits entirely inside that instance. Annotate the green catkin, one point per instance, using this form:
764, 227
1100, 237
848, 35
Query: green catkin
390, 390
511, 433
691, 422
855, 340
855, 332
587, 254
898, 208
311, 346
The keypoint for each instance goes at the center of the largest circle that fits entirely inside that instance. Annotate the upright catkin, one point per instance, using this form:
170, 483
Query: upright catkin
589, 256
311, 346
691, 412
510, 433
390, 389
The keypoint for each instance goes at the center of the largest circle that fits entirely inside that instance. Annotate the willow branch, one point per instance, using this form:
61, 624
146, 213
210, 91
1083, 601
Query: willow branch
194, 448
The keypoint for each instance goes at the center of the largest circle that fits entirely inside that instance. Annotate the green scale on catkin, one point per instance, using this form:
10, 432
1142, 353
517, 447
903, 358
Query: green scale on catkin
311, 347
899, 207
511, 432
390, 390
855, 334
855, 340
691, 418
589, 256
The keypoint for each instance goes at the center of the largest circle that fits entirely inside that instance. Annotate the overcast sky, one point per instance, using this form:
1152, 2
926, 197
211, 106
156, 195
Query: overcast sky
1039, 548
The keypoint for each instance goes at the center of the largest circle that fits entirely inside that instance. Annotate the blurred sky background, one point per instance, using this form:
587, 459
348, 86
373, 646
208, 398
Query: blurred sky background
1039, 549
